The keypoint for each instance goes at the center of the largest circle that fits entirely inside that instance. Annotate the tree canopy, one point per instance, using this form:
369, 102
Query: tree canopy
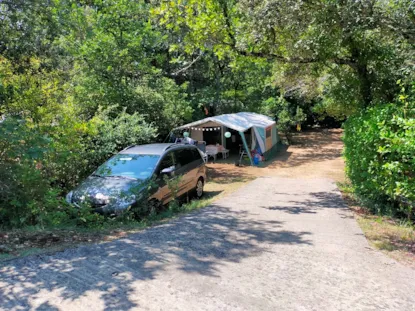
80, 79
348, 53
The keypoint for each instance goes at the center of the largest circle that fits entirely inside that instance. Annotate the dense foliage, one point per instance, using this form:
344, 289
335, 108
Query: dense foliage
380, 154
349, 53
80, 80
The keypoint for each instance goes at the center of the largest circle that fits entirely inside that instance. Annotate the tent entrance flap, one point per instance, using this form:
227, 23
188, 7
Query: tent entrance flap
246, 147
257, 140
260, 139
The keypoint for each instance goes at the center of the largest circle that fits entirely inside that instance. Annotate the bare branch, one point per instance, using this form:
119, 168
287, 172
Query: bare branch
188, 66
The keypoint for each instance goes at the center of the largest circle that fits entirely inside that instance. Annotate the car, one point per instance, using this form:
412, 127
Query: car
141, 174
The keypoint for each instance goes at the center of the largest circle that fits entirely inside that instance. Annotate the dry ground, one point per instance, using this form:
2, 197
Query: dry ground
313, 154
318, 154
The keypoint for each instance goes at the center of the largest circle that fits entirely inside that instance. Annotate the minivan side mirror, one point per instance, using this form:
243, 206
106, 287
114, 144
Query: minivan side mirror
168, 171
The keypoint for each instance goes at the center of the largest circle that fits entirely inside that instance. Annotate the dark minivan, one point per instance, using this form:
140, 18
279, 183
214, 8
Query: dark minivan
124, 179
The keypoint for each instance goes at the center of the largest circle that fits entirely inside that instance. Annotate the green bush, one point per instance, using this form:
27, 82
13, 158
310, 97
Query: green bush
22, 183
113, 131
288, 115
39, 163
380, 155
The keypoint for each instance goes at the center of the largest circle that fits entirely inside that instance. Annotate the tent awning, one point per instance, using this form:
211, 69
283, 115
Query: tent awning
240, 121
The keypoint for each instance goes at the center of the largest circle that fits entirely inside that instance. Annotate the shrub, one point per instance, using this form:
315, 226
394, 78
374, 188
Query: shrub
114, 131
380, 155
40, 162
21, 183
288, 115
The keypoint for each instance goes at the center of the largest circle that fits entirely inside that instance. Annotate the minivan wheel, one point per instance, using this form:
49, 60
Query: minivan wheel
146, 208
199, 188
156, 205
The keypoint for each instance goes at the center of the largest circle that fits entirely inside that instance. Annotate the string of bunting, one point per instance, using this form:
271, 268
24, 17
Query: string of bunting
205, 129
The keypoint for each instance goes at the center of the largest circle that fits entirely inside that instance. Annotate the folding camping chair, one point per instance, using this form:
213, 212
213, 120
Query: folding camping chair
212, 151
201, 145
242, 153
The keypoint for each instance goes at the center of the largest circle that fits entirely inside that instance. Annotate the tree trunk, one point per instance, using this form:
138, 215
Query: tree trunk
365, 84
362, 73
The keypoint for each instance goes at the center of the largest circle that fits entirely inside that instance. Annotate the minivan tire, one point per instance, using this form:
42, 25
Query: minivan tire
199, 188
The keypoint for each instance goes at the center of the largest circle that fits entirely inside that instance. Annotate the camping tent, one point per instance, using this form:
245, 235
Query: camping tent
264, 137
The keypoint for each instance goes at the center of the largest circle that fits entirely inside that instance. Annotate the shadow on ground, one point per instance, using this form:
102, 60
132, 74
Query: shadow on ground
316, 201
220, 175
199, 243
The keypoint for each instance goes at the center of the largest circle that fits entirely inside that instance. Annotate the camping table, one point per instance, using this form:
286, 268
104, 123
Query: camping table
225, 153
212, 151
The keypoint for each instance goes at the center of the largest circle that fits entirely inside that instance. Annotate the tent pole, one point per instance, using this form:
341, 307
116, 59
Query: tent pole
246, 147
222, 137
168, 137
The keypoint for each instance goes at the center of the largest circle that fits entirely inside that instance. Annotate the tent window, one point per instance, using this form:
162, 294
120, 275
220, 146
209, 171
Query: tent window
268, 133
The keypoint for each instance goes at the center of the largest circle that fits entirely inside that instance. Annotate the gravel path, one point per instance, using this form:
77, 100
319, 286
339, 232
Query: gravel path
275, 244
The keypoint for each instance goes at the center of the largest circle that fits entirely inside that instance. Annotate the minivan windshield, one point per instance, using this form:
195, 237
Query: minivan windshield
136, 166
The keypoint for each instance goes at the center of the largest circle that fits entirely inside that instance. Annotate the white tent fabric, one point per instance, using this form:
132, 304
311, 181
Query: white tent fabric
253, 139
259, 140
240, 121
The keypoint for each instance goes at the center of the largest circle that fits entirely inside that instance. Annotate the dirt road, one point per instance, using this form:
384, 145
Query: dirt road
313, 154
275, 244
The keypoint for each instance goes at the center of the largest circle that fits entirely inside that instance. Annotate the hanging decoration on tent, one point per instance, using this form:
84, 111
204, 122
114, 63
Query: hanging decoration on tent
228, 134
205, 128
185, 134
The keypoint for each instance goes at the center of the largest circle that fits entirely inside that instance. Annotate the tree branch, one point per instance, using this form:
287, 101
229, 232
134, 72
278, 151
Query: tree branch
228, 23
188, 66
297, 60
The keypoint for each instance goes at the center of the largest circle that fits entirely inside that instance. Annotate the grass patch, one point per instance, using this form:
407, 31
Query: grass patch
395, 237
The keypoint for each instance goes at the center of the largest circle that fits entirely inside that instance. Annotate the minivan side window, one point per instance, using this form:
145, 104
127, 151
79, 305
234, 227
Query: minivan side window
196, 155
166, 162
184, 156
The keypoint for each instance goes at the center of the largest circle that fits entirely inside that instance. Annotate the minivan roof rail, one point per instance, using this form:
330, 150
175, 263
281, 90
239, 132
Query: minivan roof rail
170, 146
129, 147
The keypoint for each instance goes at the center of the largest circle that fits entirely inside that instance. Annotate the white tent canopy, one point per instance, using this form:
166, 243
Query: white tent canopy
262, 130
241, 121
